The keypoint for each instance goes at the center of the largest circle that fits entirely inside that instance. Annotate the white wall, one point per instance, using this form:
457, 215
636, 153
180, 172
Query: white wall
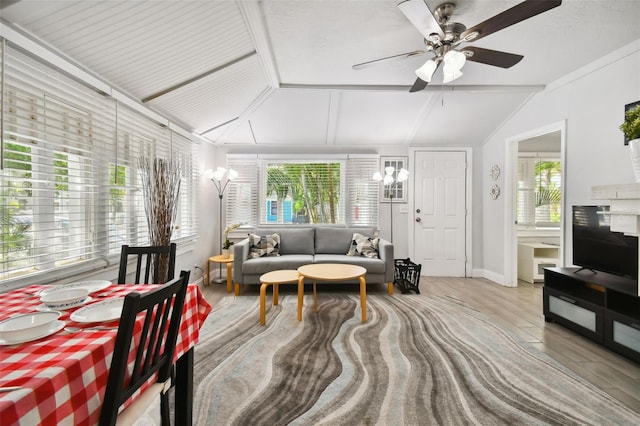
591, 100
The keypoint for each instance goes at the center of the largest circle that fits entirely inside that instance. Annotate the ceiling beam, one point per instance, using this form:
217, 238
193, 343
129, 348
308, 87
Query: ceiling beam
198, 77
253, 15
533, 88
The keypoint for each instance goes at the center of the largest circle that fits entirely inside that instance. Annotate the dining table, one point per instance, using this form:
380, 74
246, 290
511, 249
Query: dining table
61, 379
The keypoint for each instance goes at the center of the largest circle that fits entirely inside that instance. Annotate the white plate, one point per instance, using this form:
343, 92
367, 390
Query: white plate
44, 308
92, 286
107, 310
56, 326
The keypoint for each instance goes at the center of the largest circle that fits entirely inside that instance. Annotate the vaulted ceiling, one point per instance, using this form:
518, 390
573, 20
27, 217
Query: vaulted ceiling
279, 72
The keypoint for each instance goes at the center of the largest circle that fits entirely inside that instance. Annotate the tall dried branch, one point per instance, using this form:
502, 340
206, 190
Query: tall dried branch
161, 188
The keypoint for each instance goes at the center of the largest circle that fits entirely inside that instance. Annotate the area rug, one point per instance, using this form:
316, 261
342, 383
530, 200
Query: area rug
417, 361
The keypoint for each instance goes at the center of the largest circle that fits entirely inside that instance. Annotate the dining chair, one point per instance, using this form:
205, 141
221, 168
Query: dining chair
149, 256
162, 308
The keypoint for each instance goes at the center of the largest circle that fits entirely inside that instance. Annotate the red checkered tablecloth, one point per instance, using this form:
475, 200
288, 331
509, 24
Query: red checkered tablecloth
63, 376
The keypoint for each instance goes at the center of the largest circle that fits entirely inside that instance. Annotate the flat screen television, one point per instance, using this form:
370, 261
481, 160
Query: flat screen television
597, 248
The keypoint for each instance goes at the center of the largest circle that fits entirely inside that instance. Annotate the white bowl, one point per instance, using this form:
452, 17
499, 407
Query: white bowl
27, 326
64, 298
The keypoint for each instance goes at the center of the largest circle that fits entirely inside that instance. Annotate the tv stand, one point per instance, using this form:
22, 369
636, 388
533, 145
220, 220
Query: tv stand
585, 269
600, 306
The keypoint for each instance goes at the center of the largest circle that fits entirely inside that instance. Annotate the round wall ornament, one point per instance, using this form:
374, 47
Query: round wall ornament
494, 192
494, 172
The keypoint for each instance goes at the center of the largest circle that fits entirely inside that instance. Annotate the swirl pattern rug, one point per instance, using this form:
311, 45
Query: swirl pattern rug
417, 361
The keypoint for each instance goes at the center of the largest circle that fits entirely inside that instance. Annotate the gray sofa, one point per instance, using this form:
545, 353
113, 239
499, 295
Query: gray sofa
310, 244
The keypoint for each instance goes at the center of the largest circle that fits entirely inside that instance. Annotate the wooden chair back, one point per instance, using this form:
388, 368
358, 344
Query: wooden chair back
149, 260
162, 308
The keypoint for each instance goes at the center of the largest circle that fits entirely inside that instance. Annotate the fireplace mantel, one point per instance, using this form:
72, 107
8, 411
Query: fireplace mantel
625, 206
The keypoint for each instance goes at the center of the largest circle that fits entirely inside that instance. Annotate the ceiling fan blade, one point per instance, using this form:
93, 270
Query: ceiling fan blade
491, 57
418, 86
388, 59
517, 13
421, 17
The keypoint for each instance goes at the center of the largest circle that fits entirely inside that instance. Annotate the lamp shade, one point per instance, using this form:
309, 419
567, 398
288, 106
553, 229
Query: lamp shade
377, 176
388, 180
232, 174
454, 59
219, 173
403, 175
426, 71
450, 74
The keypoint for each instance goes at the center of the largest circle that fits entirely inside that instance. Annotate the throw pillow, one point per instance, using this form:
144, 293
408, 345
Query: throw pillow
264, 245
361, 245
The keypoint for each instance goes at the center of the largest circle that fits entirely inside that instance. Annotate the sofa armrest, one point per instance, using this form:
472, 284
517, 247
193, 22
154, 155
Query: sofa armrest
240, 254
385, 251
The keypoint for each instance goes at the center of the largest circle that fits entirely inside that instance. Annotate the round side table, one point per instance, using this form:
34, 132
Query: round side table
221, 259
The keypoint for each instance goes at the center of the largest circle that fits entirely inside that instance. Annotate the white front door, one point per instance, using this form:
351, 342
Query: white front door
440, 212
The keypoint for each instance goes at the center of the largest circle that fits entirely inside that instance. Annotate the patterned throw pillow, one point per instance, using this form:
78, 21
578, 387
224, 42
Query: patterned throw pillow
264, 245
361, 245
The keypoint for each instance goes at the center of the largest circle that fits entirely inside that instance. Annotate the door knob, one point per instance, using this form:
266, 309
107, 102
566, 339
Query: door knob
418, 219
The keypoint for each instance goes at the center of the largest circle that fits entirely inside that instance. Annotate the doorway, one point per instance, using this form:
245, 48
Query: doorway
439, 237
534, 217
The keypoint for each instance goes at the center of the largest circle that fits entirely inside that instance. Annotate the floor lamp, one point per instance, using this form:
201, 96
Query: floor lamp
391, 183
217, 177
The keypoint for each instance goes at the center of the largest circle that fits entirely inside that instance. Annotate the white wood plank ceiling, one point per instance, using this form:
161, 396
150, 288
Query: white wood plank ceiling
278, 72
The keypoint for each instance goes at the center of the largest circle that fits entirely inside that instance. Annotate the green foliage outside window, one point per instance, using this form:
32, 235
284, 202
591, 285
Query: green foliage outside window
313, 187
549, 190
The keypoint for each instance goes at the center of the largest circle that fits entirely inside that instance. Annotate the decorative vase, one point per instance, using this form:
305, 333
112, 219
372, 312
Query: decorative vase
634, 146
225, 253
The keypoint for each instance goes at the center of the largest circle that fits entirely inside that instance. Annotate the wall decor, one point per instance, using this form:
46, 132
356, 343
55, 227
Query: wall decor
629, 107
494, 172
494, 192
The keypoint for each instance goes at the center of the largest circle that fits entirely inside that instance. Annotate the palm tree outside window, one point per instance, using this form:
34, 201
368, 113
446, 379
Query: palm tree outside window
539, 192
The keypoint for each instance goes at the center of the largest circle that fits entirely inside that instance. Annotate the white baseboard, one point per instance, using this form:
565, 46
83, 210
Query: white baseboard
495, 277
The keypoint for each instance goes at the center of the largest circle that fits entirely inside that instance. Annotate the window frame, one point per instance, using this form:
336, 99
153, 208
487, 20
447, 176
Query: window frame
246, 200
397, 187
536, 157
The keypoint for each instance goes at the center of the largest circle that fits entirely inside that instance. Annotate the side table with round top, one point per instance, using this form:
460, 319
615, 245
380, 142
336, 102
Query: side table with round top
331, 272
274, 278
228, 260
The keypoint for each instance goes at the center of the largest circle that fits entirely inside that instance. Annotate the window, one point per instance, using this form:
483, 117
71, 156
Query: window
397, 189
69, 184
311, 192
336, 190
539, 191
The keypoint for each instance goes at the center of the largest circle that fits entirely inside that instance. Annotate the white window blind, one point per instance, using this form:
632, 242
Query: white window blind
362, 191
308, 191
274, 190
539, 191
183, 151
70, 190
242, 193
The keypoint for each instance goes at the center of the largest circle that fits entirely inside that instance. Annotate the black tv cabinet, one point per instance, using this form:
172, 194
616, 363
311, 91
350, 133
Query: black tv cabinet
598, 305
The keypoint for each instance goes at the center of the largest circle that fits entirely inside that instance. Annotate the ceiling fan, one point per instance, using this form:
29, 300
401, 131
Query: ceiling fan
442, 36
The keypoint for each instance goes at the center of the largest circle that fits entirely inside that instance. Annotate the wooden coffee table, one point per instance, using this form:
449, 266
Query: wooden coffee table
331, 272
274, 278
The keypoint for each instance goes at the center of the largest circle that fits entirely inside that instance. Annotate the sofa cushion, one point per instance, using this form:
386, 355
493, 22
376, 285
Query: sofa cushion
263, 265
264, 245
337, 240
292, 240
373, 266
363, 245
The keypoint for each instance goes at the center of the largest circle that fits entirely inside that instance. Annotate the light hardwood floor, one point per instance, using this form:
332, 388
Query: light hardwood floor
520, 311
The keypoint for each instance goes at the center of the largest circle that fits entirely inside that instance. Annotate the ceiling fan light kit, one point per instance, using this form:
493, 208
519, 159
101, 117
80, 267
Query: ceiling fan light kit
442, 38
426, 71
